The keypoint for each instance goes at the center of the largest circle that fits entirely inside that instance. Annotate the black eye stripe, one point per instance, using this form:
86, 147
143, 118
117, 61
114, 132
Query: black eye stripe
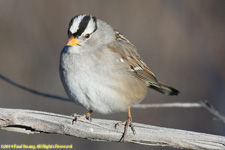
82, 26
95, 20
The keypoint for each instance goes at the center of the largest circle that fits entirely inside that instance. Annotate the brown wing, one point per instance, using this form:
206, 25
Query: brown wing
139, 69
128, 53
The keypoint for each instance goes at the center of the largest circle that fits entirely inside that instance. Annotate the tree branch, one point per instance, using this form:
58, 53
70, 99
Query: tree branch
33, 91
205, 105
212, 110
29, 121
168, 105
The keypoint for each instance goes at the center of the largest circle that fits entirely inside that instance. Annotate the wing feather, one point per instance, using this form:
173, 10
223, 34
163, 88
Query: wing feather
127, 52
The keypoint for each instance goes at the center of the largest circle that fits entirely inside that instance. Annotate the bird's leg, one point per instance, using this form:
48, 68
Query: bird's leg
87, 116
128, 123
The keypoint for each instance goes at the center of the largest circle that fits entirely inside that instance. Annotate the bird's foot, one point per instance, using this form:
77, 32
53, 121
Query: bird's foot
77, 117
127, 123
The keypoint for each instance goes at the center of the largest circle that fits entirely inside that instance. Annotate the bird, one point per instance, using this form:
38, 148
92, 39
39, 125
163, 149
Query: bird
101, 70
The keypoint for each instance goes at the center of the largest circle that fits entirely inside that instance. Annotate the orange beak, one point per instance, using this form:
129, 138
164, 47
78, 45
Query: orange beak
72, 41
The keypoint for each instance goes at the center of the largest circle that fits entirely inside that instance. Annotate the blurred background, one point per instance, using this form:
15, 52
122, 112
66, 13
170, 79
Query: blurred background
182, 42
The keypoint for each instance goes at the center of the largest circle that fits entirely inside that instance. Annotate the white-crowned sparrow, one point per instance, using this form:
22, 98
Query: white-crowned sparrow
101, 70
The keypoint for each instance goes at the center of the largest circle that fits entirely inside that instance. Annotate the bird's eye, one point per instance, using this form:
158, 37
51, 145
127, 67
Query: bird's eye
87, 36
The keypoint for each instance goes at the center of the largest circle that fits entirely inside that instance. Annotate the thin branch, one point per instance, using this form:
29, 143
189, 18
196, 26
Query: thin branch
33, 91
168, 105
201, 104
212, 110
28, 121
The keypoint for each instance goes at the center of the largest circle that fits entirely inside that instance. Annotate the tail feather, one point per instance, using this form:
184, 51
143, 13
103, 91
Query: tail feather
165, 89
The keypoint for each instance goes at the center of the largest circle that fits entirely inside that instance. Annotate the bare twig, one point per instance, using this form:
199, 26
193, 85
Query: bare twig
28, 121
33, 91
212, 110
201, 104
168, 105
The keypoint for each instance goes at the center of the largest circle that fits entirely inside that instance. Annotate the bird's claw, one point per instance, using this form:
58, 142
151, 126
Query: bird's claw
127, 123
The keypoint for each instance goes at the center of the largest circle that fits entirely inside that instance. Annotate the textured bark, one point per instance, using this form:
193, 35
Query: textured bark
29, 121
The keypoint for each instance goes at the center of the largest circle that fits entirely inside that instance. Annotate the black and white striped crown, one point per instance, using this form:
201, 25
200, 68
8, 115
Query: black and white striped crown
82, 24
